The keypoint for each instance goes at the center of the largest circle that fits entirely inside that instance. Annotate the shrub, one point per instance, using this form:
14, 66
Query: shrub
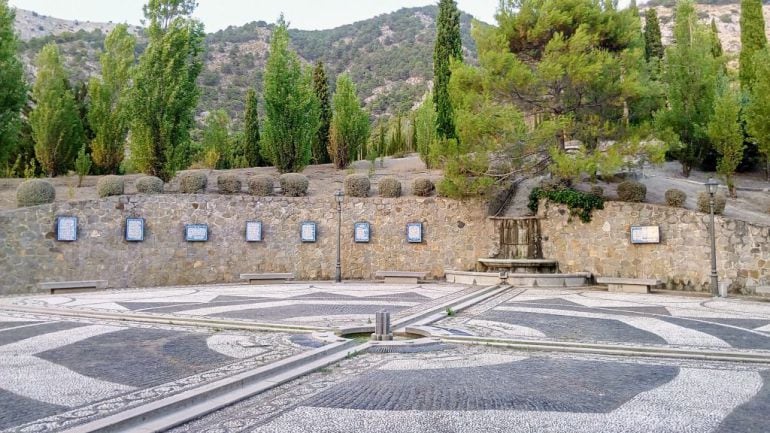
389, 186
34, 192
228, 184
149, 185
357, 185
720, 201
294, 184
109, 186
555, 183
632, 191
579, 203
597, 191
675, 197
191, 183
423, 187
261, 185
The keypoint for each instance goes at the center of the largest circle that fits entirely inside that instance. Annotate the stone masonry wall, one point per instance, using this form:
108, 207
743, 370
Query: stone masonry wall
682, 260
455, 234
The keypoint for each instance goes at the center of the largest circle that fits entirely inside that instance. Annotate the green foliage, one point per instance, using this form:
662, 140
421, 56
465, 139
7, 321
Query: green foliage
757, 112
753, 40
720, 201
632, 191
55, 124
251, 131
294, 184
321, 87
228, 183
261, 185
579, 203
82, 164
653, 44
149, 185
291, 107
108, 116
423, 187
217, 146
109, 186
35, 192
448, 48
357, 185
726, 134
14, 90
193, 182
425, 128
716, 44
675, 197
389, 187
349, 126
165, 94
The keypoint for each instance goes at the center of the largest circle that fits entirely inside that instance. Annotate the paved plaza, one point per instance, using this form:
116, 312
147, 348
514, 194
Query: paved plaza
615, 362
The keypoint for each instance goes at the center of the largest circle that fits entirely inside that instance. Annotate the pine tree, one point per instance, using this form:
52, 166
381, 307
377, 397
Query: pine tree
321, 87
108, 115
448, 47
726, 135
14, 90
349, 126
753, 39
758, 109
291, 107
653, 44
165, 92
55, 123
251, 139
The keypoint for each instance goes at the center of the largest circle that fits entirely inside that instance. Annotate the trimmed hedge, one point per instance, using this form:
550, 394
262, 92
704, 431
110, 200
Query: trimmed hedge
229, 184
261, 185
675, 197
632, 191
389, 187
192, 183
110, 185
720, 201
357, 185
423, 187
35, 192
149, 185
579, 203
294, 184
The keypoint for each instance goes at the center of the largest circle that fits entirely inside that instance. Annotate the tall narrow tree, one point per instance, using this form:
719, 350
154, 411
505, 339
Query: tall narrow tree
165, 93
55, 123
653, 44
108, 113
14, 90
716, 43
725, 133
291, 107
251, 130
321, 87
753, 39
448, 47
758, 109
350, 124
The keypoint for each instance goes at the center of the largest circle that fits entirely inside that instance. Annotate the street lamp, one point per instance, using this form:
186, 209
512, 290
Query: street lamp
712, 186
338, 271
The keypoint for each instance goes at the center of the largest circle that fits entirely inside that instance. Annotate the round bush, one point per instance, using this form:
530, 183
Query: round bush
720, 201
261, 185
228, 184
389, 186
632, 191
109, 186
423, 187
191, 183
149, 185
34, 192
597, 191
294, 184
357, 185
675, 197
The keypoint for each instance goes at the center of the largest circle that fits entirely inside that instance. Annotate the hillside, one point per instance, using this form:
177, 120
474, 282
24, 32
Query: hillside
390, 56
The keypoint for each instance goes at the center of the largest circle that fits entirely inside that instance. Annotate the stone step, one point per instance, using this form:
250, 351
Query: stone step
518, 279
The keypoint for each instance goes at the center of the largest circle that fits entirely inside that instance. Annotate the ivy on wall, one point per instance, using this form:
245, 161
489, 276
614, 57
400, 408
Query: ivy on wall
579, 203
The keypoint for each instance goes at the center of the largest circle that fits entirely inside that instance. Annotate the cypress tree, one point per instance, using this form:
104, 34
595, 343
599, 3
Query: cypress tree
757, 111
321, 87
716, 44
448, 46
753, 39
653, 44
251, 131
14, 90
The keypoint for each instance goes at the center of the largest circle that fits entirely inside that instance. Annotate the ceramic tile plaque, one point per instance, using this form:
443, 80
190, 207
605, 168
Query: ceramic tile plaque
253, 231
361, 232
134, 229
414, 233
645, 234
196, 232
307, 232
67, 229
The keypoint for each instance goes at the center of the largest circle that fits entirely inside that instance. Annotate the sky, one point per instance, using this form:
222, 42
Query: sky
218, 14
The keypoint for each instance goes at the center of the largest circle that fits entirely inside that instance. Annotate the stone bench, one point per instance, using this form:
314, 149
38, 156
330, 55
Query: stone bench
74, 286
628, 285
401, 277
269, 278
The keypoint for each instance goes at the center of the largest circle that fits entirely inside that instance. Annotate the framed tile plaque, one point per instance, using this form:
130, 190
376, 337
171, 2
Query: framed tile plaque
196, 232
66, 229
361, 232
645, 234
307, 232
134, 229
253, 231
414, 233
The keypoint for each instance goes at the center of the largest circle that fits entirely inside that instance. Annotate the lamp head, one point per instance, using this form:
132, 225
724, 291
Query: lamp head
712, 186
338, 196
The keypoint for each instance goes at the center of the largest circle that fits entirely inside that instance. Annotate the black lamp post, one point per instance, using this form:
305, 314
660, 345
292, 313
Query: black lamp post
712, 186
338, 270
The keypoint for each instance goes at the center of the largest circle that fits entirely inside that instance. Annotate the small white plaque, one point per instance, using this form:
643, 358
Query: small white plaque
645, 234
361, 232
414, 233
67, 229
134, 229
196, 232
253, 231
307, 232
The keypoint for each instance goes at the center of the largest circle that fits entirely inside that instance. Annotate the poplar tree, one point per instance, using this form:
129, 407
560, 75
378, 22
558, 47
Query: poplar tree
350, 124
653, 44
291, 107
726, 135
14, 90
321, 87
55, 123
716, 44
251, 131
165, 92
753, 39
758, 108
108, 115
448, 47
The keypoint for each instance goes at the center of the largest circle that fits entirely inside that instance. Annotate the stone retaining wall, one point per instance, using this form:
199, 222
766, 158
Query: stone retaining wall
455, 235
682, 259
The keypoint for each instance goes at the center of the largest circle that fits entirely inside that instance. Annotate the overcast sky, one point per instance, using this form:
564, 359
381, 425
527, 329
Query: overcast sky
218, 14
